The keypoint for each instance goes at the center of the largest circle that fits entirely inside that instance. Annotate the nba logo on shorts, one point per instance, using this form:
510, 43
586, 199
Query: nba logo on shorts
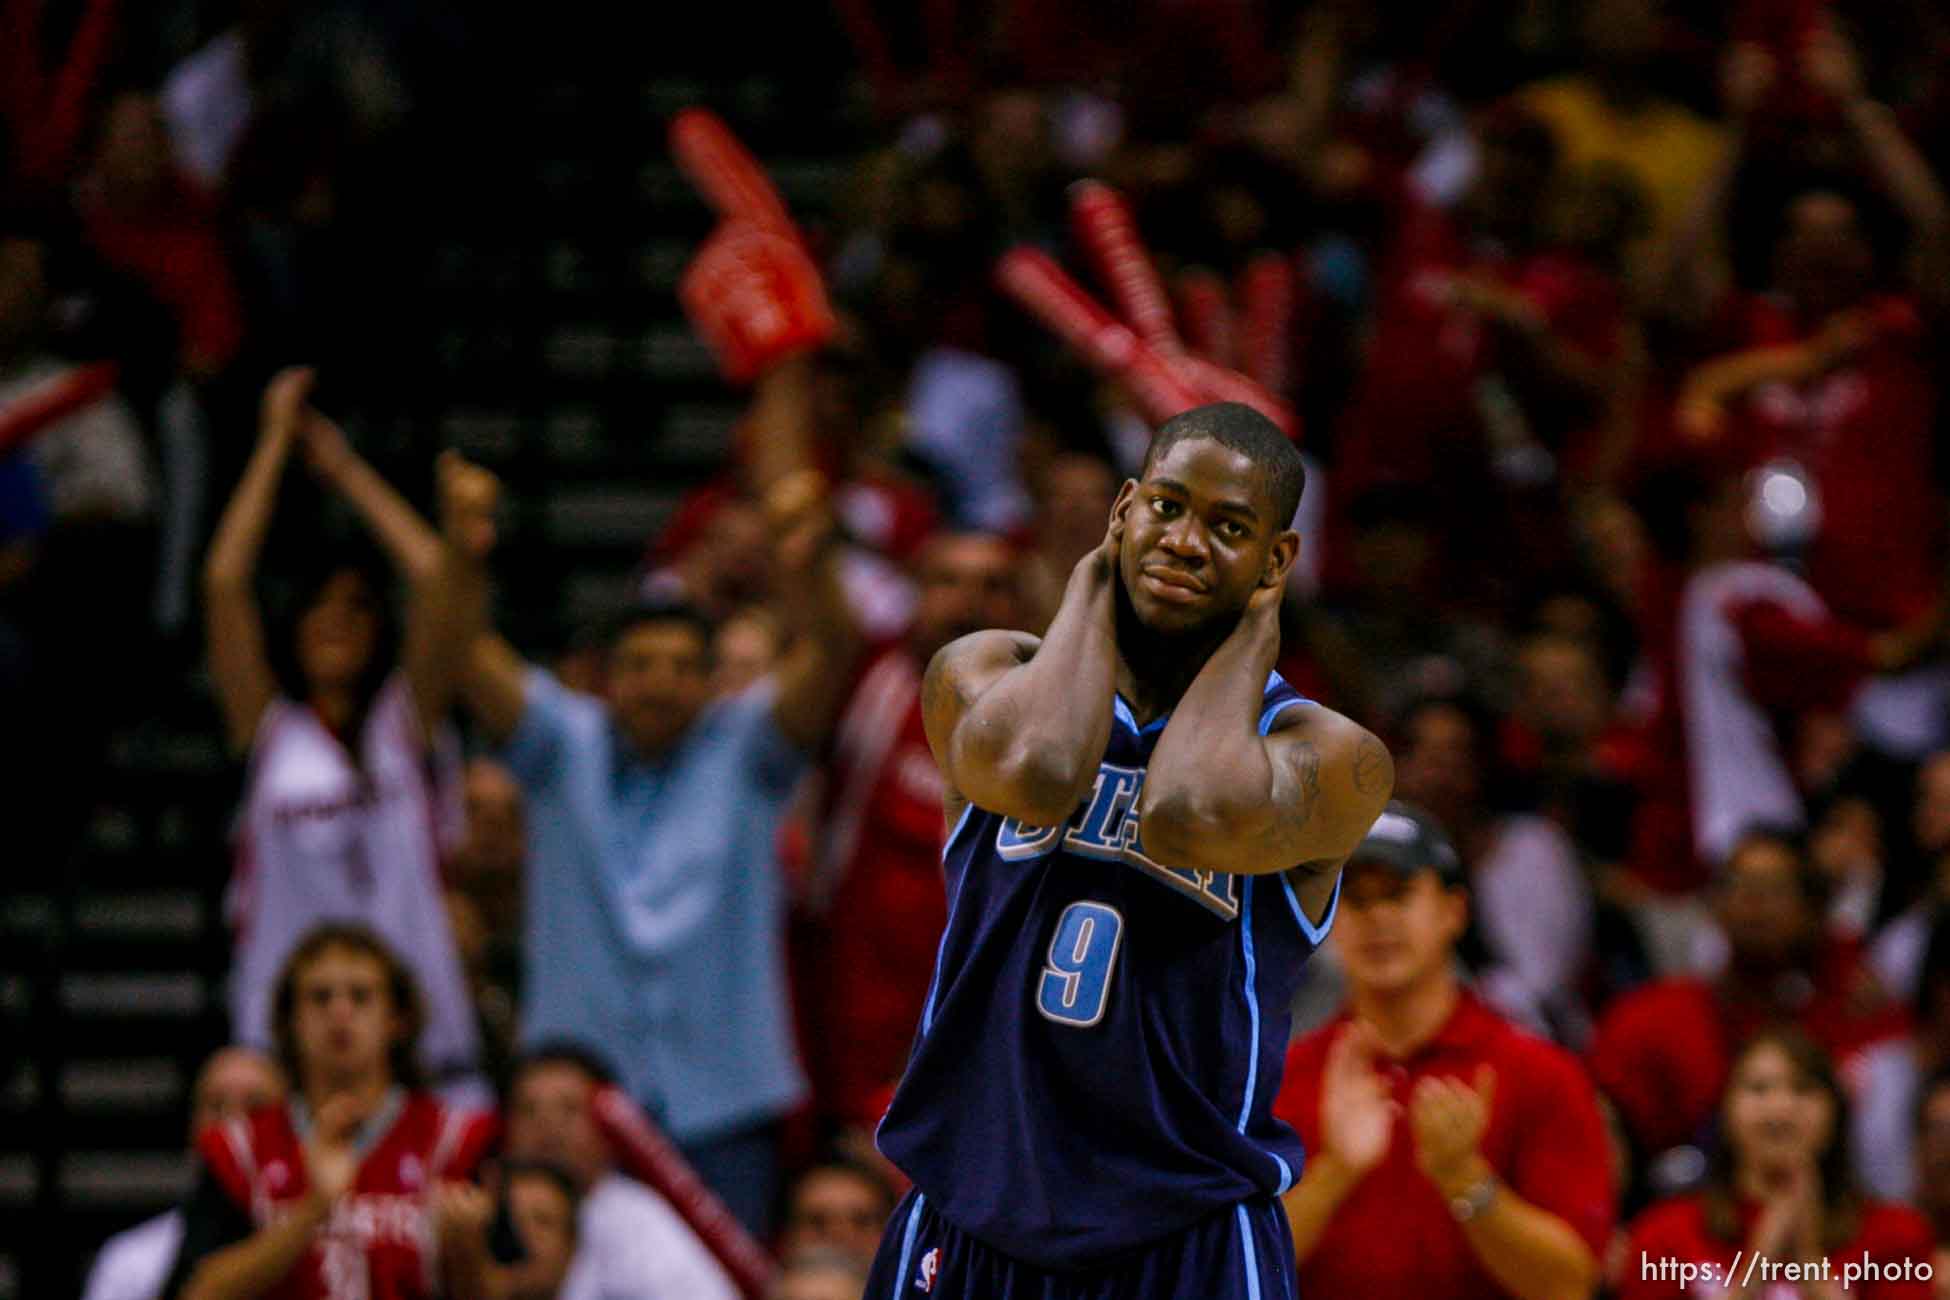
930, 1265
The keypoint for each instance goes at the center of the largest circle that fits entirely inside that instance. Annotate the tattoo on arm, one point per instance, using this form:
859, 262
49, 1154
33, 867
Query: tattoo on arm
1371, 766
1303, 768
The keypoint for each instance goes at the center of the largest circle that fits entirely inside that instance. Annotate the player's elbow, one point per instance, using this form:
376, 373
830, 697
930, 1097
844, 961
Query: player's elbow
1199, 830
1038, 785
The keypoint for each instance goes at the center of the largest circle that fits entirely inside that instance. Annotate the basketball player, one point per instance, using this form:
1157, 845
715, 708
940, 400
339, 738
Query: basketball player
356, 1189
1148, 830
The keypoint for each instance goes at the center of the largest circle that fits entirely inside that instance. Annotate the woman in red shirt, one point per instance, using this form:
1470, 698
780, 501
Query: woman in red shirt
1779, 1215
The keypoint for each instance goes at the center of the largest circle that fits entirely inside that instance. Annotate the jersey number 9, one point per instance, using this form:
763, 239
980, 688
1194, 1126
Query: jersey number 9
1082, 954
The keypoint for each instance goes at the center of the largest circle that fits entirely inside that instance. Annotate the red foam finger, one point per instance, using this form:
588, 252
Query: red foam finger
1268, 293
1217, 384
755, 297
1104, 226
1207, 315
724, 171
1033, 279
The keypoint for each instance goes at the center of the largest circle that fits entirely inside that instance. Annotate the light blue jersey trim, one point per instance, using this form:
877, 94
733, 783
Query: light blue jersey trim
907, 1244
1274, 710
1245, 1244
1122, 712
934, 985
1315, 936
1252, 1001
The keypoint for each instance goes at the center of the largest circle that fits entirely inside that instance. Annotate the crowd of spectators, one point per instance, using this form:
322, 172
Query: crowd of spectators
1613, 338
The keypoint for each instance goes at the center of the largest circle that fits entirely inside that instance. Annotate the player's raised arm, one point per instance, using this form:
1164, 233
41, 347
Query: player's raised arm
1219, 796
1017, 726
233, 627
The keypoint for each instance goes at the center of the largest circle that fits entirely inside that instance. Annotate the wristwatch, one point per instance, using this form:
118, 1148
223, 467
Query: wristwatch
1474, 1201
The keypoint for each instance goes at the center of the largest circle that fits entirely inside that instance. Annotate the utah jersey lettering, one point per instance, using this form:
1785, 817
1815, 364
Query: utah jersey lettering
1103, 1038
1107, 828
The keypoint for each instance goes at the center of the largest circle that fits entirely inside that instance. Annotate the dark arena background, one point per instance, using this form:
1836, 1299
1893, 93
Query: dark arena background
1612, 332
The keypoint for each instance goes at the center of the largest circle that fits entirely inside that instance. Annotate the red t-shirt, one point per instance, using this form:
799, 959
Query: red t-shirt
1394, 1235
1662, 1052
174, 250
378, 1243
873, 902
1865, 433
1885, 1252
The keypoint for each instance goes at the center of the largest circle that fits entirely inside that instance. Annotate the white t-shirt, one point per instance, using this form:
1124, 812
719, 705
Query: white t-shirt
634, 1246
133, 1265
321, 840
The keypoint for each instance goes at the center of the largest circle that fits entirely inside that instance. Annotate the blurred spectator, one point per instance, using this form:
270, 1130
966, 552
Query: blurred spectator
1933, 1160
133, 1265
351, 754
746, 648
1828, 376
1074, 494
278, 61
486, 873
1888, 1081
1897, 950
44, 109
539, 1205
630, 1244
142, 217
89, 461
1565, 744
837, 1205
656, 904
1732, 642
1489, 351
1661, 1053
1779, 1188
360, 1177
821, 1274
1428, 1117
1533, 905
1610, 112
873, 901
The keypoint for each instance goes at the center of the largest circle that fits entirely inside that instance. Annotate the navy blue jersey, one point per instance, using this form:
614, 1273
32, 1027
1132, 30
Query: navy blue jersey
1100, 1049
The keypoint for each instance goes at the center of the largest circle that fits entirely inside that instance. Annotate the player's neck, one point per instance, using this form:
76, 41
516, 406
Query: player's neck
1405, 1019
1155, 669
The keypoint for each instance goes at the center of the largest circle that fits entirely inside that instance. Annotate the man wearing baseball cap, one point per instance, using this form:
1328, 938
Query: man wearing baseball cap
1430, 1121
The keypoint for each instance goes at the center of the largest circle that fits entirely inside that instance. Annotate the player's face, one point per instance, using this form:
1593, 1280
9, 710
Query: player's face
339, 633
543, 1217
343, 1015
1777, 1116
832, 1207
967, 584
550, 1120
1199, 536
1393, 930
234, 1082
659, 678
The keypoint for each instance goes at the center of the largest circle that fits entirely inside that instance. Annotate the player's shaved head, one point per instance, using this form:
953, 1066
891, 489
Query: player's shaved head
1278, 468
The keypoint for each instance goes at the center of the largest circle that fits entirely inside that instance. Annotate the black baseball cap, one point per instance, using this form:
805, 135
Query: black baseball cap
1409, 840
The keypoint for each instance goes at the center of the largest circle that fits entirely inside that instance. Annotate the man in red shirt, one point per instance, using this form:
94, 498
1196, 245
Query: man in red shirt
872, 902
1661, 1052
1449, 1153
356, 1188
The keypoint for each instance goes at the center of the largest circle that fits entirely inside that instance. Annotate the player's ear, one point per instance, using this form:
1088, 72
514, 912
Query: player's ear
1122, 506
1279, 559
